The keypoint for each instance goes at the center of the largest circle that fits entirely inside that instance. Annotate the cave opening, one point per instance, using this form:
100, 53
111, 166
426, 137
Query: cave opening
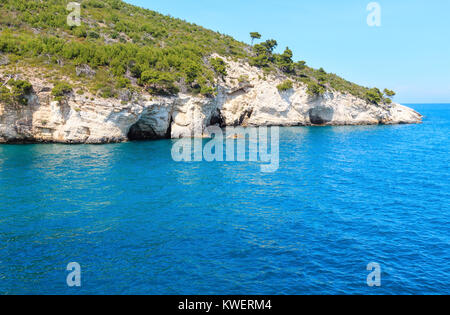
217, 119
321, 115
143, 130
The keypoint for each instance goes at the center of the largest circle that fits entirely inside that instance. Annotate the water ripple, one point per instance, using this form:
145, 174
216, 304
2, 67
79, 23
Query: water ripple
138, 222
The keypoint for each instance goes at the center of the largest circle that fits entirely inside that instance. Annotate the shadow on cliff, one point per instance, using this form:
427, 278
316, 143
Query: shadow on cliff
321, 115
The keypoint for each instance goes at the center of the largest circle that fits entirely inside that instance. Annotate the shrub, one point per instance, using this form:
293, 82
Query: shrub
19, 90
315, 89
264, 53
285, 86
144, 41
219, 66
60, 90
207, 90
95, 4
300, 65
93, 35
255, 35
108, 92
122, 83
389, 93
5, 95
21, 86
191, 71
374, 96
284, 61
158, 82
80, 32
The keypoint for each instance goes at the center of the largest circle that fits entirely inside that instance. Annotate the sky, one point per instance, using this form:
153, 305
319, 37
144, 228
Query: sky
409, 52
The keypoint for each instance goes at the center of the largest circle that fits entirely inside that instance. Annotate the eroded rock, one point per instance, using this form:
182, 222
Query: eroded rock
254, 101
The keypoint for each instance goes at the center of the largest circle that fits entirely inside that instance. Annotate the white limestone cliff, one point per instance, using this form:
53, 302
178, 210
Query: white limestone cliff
245, 97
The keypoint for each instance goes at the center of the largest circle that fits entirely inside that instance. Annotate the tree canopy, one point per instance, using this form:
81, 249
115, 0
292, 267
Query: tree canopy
127, 47
255, 35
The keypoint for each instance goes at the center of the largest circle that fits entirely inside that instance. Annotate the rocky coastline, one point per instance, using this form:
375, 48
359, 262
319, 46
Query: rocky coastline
245, 97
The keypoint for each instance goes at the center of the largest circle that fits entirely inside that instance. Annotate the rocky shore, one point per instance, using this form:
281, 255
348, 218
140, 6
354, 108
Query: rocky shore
246, 97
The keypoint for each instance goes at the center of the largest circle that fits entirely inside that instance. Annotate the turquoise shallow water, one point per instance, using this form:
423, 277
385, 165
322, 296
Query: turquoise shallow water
138, 222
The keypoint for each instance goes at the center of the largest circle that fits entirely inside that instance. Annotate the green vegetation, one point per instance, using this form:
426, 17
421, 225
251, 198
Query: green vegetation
120, 40
285, 86
389, 93
284, 61
374, 96
255, 35
17, 92
158, 83
130, 48
60, 90
5, 95
219, 66
263, 53
315, 89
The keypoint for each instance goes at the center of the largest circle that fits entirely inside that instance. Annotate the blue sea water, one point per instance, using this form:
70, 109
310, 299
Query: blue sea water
139, 223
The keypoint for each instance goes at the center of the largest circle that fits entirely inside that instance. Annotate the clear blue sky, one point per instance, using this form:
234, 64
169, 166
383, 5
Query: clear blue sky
409, 53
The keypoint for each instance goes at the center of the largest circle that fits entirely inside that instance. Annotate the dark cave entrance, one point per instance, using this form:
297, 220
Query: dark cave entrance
321, 115
143, 130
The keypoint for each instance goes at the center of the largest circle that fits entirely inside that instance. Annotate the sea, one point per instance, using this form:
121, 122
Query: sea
350, 210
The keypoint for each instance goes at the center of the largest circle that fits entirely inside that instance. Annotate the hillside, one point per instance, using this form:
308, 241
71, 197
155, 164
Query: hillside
120, 47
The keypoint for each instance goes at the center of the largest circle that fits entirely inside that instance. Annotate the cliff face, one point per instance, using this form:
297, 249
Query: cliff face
245, 97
